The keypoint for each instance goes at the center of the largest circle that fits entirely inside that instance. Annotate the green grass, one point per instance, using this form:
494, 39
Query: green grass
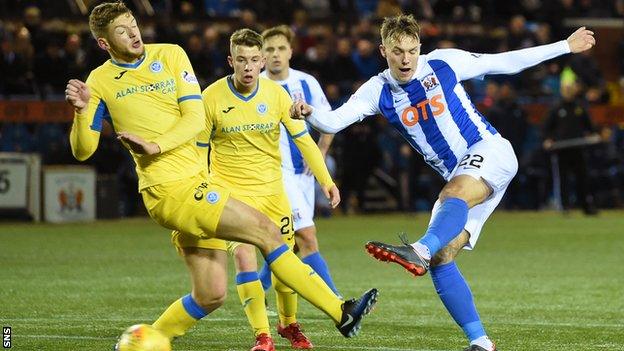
541, 281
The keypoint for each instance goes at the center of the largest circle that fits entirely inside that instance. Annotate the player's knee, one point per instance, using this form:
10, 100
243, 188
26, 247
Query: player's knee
245, 258
444, 256
211, 300
306, 240
453, 190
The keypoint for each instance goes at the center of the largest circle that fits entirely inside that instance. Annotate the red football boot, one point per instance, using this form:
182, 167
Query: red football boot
295, 335
264, 342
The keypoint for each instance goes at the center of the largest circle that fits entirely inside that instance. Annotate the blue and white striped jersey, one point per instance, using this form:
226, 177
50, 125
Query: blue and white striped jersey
301, 87
432, 111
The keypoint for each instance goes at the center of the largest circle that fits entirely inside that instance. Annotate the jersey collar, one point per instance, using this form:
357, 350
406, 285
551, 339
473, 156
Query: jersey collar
239, 95
130, 65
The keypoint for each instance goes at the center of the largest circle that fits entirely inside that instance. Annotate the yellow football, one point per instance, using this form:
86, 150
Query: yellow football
143, 337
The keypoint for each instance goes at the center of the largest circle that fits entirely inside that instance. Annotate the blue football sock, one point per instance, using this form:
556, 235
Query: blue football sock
449, 221
192, 307
317, 262
457, 298
265, 277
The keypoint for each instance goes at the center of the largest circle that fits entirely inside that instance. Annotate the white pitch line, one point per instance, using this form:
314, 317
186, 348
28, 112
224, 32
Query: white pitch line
319, 321
330, 347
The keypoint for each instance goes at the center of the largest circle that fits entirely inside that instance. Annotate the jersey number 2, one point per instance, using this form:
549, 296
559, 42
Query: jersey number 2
286, 223
472, 160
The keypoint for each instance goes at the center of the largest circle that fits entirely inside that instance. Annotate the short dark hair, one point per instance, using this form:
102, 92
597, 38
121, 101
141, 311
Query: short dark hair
104, 14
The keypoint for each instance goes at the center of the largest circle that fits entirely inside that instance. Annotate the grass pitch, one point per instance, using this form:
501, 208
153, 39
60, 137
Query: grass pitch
541, 281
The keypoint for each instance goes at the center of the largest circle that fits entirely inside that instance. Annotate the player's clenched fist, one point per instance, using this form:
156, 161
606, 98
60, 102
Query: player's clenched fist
77, 94
582, 39
300, 110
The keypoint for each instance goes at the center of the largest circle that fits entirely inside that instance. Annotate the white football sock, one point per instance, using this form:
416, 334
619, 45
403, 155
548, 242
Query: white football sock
484, 342
422, 250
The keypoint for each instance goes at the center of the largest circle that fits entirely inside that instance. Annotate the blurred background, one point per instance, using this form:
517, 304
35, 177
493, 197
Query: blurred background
565, 117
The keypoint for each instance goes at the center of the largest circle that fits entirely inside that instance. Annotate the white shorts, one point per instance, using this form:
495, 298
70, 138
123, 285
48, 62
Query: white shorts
300, 191
494, 161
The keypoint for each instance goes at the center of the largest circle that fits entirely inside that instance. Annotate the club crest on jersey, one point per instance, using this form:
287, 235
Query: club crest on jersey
430, 82
156, 67
262, 108
212, 197
298, 95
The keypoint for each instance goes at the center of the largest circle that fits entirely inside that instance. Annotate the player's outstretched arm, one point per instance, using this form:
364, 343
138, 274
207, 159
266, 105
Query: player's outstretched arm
469, 65
363, 103
83, 138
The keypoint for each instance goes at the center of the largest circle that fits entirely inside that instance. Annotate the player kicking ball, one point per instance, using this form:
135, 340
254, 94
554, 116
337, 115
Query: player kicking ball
421, 96
152, 99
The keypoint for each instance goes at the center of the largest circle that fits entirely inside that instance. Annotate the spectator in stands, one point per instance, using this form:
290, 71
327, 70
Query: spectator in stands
366, 58
32, 21
16, 63
199, 58
510, 119
569, 119
342, 67
213, 42
491, 95
51, 69
519, 37
319, 61
359, 158
588, 72
75, 56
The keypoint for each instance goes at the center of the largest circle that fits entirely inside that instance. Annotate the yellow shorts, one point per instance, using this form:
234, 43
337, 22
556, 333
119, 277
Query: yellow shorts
276, 207
192, 205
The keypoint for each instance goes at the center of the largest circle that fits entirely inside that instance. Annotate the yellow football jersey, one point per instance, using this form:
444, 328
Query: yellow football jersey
157, 98
244, 131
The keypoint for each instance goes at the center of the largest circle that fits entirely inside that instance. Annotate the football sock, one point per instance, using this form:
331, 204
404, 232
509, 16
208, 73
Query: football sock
265, 276
484, 342
286, 300
300, 277
457, 298
179, 317
448, 221
251, 296
317, 262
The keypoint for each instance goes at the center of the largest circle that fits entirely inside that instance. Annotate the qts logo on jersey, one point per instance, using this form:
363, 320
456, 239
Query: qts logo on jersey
412, 114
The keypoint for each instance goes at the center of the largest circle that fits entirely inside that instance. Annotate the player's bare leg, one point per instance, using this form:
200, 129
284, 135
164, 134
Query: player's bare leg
208, 270
306, 241
458, 195
242, 223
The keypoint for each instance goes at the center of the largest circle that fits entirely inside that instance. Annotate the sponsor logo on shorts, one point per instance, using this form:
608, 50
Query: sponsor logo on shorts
199, 191
213, 197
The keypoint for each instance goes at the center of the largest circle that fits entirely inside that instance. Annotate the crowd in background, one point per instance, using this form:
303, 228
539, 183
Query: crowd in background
45, 43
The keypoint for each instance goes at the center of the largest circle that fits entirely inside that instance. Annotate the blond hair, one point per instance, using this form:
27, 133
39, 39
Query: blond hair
246, 37
396, 27
279, 30
104, 14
